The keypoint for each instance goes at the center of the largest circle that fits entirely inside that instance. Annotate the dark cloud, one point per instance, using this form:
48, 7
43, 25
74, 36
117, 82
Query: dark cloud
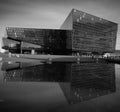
15, 2
111, 2
17, 7
23, 2
56, 1
9, 7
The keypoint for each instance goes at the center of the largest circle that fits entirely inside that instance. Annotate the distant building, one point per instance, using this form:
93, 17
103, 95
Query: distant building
80, 33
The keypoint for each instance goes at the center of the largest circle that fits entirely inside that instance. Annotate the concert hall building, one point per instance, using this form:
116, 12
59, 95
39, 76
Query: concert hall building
80, 33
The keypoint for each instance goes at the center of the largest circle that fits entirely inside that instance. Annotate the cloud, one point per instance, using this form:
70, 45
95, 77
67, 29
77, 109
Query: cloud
8, 7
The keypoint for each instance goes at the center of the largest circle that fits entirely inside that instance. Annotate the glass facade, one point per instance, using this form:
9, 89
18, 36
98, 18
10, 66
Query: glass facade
91, 33
51, 40
30, 35
80, 32
11, 45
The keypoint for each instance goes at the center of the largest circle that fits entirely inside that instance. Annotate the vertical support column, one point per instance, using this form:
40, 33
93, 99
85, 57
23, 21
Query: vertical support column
21, 47
32, 51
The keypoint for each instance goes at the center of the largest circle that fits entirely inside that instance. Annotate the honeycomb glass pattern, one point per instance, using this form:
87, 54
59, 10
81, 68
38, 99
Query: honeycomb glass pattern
92, 33
51, 40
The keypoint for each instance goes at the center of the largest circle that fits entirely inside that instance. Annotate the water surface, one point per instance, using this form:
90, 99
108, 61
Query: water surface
60, 87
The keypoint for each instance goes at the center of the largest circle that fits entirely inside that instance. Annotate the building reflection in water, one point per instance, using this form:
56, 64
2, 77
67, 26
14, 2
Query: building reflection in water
88, 81
39, 72
79, 82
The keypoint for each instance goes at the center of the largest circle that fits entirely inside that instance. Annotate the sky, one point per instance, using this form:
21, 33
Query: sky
52, 13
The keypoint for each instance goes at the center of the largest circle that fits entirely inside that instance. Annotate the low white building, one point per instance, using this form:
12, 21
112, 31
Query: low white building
116, 54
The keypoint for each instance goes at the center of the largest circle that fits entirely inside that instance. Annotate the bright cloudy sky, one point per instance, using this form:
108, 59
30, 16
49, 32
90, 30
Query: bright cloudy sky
52, 13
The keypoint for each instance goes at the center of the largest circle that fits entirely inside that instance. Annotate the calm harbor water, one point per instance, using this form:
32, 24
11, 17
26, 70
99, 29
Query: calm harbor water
60, 87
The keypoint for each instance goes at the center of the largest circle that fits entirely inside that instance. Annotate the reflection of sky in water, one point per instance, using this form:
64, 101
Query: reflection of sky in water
95, 85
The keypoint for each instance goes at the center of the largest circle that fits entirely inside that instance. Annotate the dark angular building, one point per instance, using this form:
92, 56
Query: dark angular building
49, 40
90, 33
80, 33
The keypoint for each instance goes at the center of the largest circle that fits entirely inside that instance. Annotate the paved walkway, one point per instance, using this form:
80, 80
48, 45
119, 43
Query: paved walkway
44, 58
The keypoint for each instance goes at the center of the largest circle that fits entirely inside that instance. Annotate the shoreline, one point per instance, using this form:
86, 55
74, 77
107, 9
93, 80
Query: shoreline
45, 58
